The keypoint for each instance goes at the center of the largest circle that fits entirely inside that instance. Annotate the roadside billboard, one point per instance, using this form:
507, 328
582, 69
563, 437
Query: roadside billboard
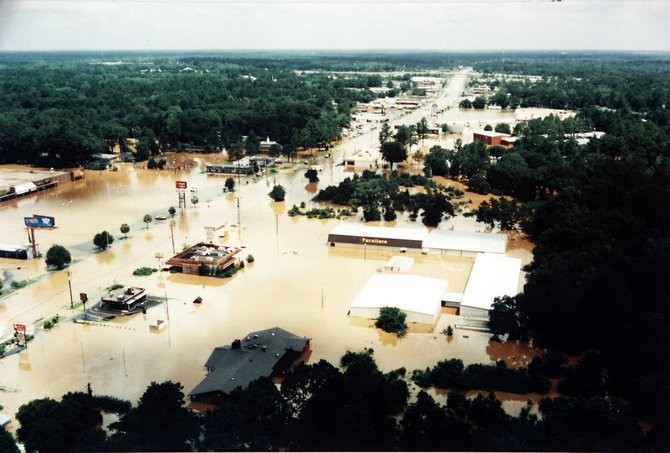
39, 221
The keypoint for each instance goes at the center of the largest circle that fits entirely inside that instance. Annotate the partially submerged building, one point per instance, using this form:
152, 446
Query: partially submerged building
202, 254
442, 241
17, 183
420, 298
490, 138
492, 276
17, 252
128, 299
363, 159
265, 353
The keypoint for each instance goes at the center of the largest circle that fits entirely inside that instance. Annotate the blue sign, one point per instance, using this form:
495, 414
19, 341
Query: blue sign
39, 221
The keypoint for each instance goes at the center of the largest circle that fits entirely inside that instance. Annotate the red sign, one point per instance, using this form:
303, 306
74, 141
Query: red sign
20, 327
181, 184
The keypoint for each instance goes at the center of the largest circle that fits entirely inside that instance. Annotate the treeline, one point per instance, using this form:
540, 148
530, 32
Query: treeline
599, 214
574, 81
320, 407
60, 116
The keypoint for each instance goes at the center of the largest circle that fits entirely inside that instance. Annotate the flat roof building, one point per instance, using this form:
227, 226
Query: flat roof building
354, 234
491, 276
366, 159
489, 137
465, 242
127, 299
202, 254
443, 241
418, 297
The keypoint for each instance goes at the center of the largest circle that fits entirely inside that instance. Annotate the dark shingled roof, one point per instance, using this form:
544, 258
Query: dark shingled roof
258, 356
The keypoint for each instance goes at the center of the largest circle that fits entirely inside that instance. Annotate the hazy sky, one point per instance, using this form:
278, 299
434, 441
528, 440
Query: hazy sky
330, 24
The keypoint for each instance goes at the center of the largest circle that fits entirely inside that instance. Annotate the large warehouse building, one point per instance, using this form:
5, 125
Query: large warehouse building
491, 276
418, 297
443, 241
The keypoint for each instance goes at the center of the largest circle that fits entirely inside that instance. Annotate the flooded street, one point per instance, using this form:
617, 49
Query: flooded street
296, 282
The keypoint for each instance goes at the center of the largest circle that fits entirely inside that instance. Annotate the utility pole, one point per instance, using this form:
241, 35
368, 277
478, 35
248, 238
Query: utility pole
172, 236
69, 284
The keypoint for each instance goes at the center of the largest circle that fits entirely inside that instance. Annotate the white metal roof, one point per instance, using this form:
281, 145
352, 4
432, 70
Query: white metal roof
25, 187
409, 293
491, 276
354, 229
466, 241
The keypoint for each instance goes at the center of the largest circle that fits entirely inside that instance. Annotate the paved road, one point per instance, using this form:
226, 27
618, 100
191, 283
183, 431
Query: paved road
449, 97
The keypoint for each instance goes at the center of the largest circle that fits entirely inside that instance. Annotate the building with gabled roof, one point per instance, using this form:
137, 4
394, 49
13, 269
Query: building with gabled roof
265, 353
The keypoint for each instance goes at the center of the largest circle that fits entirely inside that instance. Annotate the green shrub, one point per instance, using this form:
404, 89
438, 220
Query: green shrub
250, 258
16, 284
143, 271
392, 320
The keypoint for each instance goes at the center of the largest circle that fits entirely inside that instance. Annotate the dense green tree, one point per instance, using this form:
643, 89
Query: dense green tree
68, 425
392, 320
423, 426
406, 135
385, 133
125, 229
312, 175
7, 442
465, 104
278, 193
500, 213
58, 256
505, 318
394, 152
159, 422
479, 102
436, 162
103, 240
229, 184
422, 129
147, 219
503, 128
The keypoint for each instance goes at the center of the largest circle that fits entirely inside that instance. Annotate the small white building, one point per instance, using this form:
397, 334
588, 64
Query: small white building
418, 297
492, 275
364, 159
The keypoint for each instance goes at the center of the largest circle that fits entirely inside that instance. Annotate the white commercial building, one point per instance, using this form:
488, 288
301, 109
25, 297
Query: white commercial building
443, 241
492, 275
465, 242
418, 297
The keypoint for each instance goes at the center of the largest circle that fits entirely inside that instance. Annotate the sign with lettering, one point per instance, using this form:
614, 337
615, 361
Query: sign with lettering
20, 327
181, 184
39, 221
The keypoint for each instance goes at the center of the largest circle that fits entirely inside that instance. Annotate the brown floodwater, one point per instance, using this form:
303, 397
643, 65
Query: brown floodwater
296, 282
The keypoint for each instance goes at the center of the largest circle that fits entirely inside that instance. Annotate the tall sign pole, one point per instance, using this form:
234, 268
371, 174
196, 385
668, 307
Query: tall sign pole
181, 190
